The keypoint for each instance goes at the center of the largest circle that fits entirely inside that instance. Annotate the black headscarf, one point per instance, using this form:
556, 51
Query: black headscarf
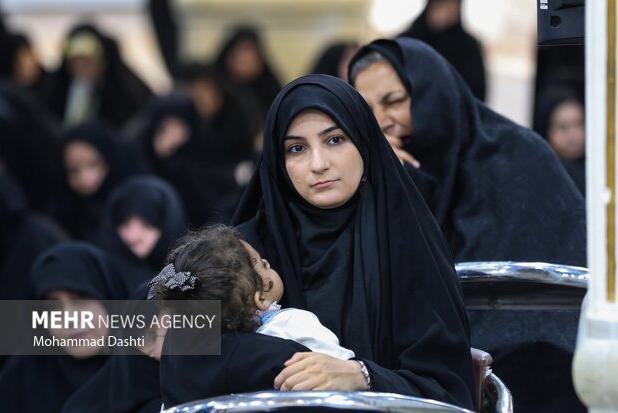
550, 99
501, 192
265, 87
329, 61
457, 46
80, 214
127, 383
40, 384
157, 203
23, 237
120, 92
376, 270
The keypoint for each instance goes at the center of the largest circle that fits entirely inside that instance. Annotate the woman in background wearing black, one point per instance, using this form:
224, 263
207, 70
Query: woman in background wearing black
143, 217
244, 63
95, 161
439, 25
66, 272
561, 120
94, 82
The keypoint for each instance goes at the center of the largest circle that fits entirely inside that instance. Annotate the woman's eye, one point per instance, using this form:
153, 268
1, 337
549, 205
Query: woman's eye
336, 140
295, 149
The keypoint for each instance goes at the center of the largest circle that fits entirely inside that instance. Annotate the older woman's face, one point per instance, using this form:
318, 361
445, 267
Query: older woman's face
387, 97
322, 162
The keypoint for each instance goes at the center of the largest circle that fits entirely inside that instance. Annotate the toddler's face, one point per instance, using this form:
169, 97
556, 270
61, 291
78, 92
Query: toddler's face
273, 285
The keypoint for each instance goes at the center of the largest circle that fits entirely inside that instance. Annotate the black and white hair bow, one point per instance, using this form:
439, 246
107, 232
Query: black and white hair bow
182, 281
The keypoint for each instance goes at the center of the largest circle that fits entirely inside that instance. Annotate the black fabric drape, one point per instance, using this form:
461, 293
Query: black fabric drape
457, 46
158, 204
501, 192
29, 146
40, 384
166, 30
248, 362
127, 383
119, 91
24, 236
402, 301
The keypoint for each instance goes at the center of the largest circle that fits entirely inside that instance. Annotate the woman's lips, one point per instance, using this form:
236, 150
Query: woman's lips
323, 184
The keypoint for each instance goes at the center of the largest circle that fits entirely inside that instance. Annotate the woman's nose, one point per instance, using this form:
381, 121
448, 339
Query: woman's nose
319, 161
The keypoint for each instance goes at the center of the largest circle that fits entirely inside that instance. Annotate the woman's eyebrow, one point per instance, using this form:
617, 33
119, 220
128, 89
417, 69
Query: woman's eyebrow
321, 133
329, 129
390, 95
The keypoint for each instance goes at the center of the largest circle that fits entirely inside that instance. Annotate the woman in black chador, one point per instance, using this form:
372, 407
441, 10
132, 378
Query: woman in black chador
496, 188
244, 63
499, 193
439, 25
561, 120
189, 152
94, 163
93, 81
339, 218
66, 272
143, 217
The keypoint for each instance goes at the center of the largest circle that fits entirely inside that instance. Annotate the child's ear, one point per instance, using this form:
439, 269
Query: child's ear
260, 302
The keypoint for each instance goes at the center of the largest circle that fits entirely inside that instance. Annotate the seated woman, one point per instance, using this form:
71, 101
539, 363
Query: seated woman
499, 193
336, 214
66, 272
496, 188
561, 120
127, 383
143, 217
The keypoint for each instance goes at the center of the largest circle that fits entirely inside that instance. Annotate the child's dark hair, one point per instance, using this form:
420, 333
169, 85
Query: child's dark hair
224, 270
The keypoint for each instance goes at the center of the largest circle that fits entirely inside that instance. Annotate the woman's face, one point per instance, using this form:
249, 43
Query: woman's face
70, 301
206, 96
85, 68
139, 236
387, 97
244, 61
567, 134
322, 162
85, 167
444, 14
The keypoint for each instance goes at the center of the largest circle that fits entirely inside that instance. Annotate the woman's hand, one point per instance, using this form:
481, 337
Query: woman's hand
404, 156
317, 371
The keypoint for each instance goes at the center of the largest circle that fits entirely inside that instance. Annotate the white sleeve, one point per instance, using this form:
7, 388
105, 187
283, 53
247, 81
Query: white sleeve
305, 328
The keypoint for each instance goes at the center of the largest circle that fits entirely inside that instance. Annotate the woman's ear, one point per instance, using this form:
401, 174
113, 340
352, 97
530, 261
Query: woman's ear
260, 301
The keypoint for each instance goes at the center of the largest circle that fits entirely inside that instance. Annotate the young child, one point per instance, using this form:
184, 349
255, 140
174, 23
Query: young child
215, 264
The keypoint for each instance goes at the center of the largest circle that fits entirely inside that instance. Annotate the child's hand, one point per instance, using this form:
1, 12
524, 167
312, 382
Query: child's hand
317, 371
